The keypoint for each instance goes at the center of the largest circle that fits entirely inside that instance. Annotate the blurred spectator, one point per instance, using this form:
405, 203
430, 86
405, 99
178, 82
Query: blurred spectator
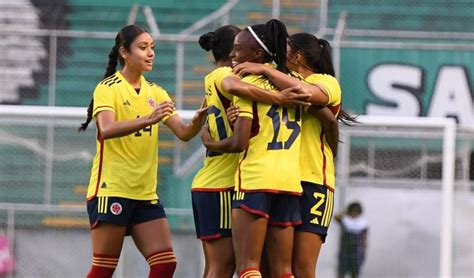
353, 242
7, 263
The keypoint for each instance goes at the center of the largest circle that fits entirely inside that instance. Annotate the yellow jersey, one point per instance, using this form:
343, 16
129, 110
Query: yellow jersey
127, 166
317, 160
219, 168
271, 161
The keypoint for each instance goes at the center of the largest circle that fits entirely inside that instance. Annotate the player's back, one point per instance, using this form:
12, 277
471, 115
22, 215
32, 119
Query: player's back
219, 168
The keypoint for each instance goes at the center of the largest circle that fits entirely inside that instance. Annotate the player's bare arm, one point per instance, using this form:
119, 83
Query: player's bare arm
329, 124
236, 87
110, 128
238, 142
283, 81
184, 131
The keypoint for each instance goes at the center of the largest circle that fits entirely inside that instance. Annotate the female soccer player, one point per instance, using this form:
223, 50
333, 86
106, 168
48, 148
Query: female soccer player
311, 58
213, 185
121, 198
265, 205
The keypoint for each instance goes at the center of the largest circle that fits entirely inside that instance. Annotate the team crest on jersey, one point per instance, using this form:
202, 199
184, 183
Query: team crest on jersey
116, 208
152, 103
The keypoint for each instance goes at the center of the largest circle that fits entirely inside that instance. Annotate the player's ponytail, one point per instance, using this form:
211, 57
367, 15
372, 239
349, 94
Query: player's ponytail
272, 37
326, 65
277, 38
85, 124
111, 68
123, 39
317, 53
347, 118
220, 41
113, 61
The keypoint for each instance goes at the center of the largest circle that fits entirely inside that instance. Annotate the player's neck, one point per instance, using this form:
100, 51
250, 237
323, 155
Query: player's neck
304, 71
132, 77
224, 63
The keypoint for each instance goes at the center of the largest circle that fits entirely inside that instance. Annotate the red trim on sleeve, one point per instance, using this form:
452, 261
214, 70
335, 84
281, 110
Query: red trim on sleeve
103, 106
335, 109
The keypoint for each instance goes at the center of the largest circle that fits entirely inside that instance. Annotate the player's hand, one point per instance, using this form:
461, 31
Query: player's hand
246, 68
199, 117
205, 135
292, 96
162, 110
232, 114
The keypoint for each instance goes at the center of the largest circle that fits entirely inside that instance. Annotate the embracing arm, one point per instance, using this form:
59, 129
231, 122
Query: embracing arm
238, 142
236, 87
283, 81
110, 128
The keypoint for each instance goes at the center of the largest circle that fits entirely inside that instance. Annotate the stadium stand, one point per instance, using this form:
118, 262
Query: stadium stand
426, 15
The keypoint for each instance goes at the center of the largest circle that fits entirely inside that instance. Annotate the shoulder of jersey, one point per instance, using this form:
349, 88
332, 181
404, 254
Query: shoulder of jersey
255, 79
151, 84
110, 81
223, 70
317, 76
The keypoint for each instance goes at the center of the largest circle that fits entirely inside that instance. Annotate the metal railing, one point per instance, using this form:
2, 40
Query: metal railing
449, 133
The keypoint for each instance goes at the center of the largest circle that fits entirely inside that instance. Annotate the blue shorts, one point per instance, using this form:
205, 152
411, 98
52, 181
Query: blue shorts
279, 209
317, 203
123, 212
212, 214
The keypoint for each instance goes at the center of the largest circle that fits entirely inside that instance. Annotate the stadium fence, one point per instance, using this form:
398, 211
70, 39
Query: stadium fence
411, 174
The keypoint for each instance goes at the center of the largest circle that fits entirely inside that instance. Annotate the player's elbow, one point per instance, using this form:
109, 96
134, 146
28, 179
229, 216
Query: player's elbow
239, 146
184, 132
107, 133
330, 123
184, 137
235, 90
318, 98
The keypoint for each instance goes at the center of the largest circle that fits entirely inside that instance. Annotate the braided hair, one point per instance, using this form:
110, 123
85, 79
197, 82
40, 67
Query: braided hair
124, 39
